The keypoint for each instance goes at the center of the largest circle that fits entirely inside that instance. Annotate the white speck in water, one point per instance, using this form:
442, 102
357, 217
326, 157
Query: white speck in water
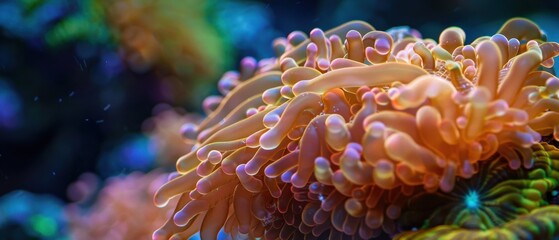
107, 107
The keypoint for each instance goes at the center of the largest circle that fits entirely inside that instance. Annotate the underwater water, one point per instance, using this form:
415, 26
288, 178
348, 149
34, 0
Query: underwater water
237, 119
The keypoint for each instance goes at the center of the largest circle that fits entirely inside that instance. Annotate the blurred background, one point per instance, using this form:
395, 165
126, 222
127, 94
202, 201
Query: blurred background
93, 93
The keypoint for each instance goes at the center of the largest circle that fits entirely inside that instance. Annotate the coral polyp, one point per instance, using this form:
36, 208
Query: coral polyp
112, 214
335, 135
540, 223
491, 198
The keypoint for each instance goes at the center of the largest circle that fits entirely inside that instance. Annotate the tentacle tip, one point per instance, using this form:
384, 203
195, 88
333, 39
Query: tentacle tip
267, 143
353, 34
312, 47
180, 219
243, 232
159, 234
189, 131
269, 172
249, 62
241, 169
160, 201
297, 181
382, 46
250, 169
323, 64
446, 186
316, 32
203, 187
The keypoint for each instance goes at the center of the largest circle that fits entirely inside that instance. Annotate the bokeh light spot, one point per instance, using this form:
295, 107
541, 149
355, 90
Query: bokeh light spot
44, 225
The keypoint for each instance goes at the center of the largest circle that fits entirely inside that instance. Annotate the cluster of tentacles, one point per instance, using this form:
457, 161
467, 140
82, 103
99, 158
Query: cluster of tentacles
332, 138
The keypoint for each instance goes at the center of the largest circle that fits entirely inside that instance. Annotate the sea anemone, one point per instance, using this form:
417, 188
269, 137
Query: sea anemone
330, 138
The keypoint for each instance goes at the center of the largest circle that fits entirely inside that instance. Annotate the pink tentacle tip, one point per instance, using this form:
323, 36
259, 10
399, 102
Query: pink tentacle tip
382, 46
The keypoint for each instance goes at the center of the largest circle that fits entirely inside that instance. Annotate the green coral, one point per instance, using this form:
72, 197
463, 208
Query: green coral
541, 223
493, 204
87, 23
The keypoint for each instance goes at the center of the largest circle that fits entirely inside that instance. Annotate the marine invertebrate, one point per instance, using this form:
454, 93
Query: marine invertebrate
332, 137
491, 198
167, 35
540, 223
83, 20
113, 214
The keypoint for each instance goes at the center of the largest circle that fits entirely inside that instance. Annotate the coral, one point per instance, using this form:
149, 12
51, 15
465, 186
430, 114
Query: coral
491, 198
540, 223
84, 20
173, 37
174, 40
332, 137
115, 212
